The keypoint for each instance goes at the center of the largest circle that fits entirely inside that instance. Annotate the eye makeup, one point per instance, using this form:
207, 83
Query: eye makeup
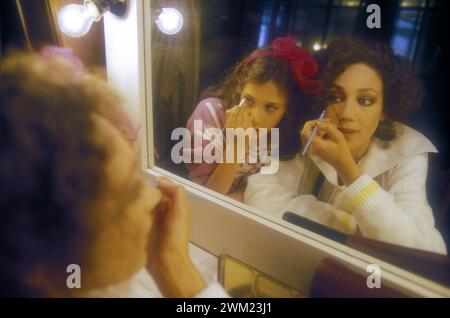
242, 103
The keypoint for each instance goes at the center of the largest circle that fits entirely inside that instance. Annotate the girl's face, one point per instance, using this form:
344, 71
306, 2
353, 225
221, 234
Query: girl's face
355, 105
266, 103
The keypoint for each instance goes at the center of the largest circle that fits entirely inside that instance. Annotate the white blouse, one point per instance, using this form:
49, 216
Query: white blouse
387, 202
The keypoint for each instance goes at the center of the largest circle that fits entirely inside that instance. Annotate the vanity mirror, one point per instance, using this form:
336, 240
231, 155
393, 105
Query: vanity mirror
272, 67
325, 185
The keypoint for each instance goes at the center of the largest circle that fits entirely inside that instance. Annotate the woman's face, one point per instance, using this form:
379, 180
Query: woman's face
123, 215
355, 105
266, 103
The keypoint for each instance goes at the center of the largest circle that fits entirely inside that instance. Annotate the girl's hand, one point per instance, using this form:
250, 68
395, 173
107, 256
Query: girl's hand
330, 145
238, 117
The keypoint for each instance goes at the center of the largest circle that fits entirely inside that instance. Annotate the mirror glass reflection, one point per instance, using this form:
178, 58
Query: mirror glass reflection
339, 136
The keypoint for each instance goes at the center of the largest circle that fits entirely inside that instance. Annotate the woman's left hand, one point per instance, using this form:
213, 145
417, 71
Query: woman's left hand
330, 145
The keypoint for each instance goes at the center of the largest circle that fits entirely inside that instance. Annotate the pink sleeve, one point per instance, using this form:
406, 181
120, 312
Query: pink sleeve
211, 114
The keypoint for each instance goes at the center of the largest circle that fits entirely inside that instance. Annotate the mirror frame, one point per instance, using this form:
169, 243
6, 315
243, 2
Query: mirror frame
219, 224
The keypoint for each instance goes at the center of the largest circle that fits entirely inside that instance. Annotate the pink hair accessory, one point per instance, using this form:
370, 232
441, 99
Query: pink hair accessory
303, 65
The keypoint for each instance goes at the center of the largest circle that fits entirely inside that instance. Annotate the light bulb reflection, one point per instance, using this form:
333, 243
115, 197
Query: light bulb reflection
170, 21
76, 20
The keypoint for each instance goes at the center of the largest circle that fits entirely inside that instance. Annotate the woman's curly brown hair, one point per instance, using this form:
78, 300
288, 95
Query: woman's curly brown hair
261, 70
402, 91
51, 167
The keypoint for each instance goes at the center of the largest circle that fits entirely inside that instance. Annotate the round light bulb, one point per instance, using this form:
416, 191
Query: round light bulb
317, 47
170, 21
76, 20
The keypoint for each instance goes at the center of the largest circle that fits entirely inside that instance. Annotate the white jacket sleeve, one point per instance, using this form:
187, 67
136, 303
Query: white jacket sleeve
399, 214
278, 193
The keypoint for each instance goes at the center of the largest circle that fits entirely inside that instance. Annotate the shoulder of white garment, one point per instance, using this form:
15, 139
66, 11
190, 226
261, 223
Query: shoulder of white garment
141, 285
293, 165
214, 290
289, 171
384, 155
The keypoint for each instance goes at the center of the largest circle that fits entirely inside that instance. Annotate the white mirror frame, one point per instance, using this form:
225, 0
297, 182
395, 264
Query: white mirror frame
220, 225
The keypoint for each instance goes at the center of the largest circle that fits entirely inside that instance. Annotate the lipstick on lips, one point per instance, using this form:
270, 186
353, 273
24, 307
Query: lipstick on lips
347, 132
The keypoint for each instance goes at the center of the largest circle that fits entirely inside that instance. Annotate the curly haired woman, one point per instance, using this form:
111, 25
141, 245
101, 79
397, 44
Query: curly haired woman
72, 193
365, 172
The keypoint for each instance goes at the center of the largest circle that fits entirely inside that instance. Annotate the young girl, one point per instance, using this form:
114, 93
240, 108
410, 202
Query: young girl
269, 83
364, 172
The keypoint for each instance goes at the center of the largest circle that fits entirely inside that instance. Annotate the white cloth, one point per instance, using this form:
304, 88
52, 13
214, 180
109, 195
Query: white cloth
141, 285
387, 202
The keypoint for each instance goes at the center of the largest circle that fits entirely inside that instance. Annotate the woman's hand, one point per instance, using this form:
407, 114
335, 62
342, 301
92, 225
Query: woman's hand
168, 254
330, 145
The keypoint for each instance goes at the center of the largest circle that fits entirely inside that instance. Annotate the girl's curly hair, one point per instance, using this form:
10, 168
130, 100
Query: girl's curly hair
402, 91
262, 70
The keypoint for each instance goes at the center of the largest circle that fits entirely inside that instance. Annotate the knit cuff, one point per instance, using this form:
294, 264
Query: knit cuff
359, 197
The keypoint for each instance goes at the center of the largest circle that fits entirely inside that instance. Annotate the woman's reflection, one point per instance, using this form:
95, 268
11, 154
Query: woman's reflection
367, 171
264, 90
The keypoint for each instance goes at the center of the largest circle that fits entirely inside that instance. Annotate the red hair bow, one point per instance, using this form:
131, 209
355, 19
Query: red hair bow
303, 65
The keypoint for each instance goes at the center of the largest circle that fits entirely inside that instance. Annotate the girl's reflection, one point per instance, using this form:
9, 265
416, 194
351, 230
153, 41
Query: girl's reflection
270, 82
